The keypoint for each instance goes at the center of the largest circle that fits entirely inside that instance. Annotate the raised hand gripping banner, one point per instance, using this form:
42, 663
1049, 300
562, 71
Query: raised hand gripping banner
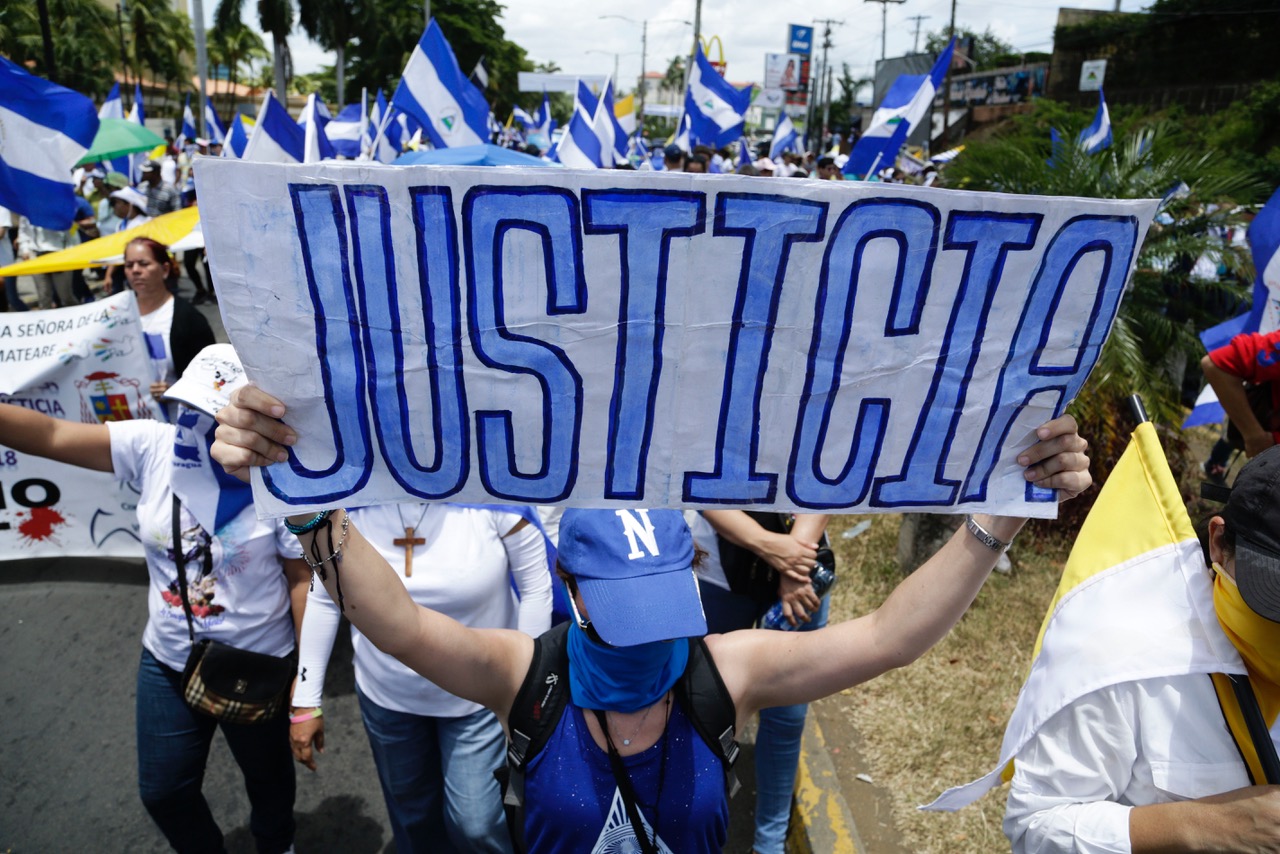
86, 363
620, 339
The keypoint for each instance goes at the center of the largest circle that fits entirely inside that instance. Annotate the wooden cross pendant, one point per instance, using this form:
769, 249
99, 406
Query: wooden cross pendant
409, 542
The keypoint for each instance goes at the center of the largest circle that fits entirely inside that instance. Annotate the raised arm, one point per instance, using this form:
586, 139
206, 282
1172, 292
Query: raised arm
482, 665
761, 669
70, 442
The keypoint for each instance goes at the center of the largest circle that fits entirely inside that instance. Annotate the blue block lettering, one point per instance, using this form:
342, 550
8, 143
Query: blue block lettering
646, 222
769, 225
986, 239
322, 233
379, 293
914, 227
1116, 238
489, 213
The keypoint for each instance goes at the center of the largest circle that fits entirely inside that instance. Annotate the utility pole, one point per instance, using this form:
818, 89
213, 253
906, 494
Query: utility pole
693, 54
946, 83
202, 63
426, 13
884, 20
915, 41
826, 70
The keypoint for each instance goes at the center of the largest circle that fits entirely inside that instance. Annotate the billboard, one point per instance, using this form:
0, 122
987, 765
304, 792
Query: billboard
782, 71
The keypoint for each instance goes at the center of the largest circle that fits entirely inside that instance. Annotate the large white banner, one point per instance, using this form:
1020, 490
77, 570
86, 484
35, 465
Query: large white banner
86, 363
610, 338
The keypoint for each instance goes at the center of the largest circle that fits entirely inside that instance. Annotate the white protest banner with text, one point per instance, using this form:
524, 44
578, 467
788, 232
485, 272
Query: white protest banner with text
618, 339
86, 363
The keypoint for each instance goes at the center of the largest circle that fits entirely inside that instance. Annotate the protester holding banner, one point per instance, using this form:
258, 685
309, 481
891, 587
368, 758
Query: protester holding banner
244, 579
435, 753
175, 330
629, 575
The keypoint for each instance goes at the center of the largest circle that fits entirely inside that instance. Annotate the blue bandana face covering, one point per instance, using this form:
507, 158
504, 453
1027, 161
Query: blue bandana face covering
622, 678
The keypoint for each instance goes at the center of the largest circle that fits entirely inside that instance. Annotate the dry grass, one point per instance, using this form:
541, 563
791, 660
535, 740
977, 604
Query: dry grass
939, 722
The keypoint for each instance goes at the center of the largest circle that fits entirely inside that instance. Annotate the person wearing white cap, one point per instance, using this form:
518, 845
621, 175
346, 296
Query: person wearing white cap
243, 580
129, 208
625, 768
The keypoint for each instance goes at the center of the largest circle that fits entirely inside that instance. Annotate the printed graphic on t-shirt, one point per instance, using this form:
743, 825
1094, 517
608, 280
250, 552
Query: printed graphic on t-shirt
202, 583
617, 836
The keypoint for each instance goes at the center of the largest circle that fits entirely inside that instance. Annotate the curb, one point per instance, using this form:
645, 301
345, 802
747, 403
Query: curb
821, 822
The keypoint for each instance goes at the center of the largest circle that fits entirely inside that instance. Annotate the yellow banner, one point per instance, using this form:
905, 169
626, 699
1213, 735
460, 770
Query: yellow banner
166, 229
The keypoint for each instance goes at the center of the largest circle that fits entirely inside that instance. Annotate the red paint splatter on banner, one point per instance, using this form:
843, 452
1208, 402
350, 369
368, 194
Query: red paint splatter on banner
41, 524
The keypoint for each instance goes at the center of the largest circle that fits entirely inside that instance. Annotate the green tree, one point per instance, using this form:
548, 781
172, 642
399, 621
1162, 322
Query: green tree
1153, 344
332, 23
276, 18
673, 78
162, 43
988, 50
85, 48
386, 31
233, 47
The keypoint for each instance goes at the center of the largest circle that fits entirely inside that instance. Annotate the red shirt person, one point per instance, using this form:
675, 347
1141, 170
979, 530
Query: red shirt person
1250, 357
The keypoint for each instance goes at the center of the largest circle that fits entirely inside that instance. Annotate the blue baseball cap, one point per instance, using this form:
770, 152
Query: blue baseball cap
634, 569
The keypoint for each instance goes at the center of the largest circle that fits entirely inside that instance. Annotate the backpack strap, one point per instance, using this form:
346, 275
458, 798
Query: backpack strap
711, 710
534, 714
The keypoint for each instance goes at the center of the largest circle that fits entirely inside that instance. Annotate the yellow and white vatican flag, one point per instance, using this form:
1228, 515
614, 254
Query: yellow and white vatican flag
1135, 602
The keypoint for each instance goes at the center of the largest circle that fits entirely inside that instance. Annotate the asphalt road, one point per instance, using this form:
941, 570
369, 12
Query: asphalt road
70, 631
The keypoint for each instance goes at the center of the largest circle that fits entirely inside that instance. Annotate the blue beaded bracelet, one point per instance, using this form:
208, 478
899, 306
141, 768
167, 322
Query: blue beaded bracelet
310, 525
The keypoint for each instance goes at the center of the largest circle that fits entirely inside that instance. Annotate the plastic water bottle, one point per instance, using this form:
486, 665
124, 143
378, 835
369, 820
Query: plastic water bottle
821, 577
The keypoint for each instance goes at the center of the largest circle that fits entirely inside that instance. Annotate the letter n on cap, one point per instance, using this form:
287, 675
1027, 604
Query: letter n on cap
638, 533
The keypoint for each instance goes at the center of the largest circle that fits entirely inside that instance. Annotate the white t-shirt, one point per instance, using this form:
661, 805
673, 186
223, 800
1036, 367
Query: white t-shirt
709, 569
1150, 741
465, 569
155, 328
243, 601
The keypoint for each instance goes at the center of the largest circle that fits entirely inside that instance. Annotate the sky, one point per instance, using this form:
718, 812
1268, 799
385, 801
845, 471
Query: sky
572, 34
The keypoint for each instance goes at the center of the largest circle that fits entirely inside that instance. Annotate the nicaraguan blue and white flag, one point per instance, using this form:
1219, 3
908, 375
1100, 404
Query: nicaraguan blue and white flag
276, 137
785, 138
683, 138
213, 127
613, 139
345, 131
137, 114
1097, 135
313, 121
1264, 313
44, 131
546, 124
382, 133
112, 107
238, 137
434, 90
580, 146
188, 133
714, 108
903, 106
524, 118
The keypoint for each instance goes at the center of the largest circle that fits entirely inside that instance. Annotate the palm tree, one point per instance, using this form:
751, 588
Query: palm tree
276, 18
84, 46
1155, 334
233, 47
332, 24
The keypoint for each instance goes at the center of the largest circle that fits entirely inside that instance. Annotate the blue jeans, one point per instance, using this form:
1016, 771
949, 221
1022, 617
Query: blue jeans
14, 301
437, 779
781, 728
173, 747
